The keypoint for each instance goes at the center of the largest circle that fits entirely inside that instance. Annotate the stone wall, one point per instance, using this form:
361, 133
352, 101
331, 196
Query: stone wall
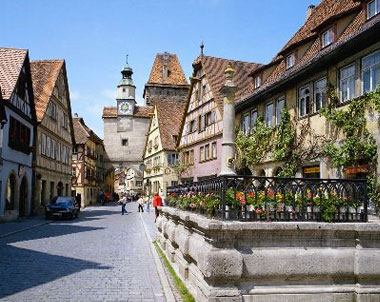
284, 261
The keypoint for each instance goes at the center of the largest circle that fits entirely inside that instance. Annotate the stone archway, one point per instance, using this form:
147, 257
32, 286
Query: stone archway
23, 197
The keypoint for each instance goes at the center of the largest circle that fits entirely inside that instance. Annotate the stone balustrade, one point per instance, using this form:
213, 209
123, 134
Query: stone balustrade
279, 261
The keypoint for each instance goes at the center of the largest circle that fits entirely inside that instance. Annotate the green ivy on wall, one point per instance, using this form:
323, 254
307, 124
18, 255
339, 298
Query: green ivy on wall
358, 144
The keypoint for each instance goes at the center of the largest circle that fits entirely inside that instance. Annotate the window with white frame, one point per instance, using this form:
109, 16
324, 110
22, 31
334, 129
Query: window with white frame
53, 110
304, 101
279, 107
320, 94
202, 154
371, 71
290, 61
373, 8
245, 124
257, 82
213, 150
327, 37
48, 146
207, 152
253, 119
347, 83
43, 144
269, 115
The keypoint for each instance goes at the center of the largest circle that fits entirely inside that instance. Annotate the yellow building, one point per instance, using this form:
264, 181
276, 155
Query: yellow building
88, 175
329, 65
160, 154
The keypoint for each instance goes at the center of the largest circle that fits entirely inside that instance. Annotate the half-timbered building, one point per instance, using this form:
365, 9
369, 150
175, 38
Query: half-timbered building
16, 172
55, 135
202, 125
88, 176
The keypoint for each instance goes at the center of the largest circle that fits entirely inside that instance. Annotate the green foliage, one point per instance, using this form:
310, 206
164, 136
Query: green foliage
279, 141
252, 149
186, 296
358, 144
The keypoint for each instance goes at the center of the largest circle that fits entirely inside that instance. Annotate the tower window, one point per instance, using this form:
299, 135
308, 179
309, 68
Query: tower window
124, 142
166, 71
123, 89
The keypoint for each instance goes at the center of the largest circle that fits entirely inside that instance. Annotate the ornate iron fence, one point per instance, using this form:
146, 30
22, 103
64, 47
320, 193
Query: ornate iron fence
254, 198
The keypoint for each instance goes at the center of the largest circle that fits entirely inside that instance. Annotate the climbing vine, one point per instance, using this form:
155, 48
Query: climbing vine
281, 143
353, 143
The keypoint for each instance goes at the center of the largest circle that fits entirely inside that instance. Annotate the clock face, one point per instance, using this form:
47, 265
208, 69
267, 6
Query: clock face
124, 108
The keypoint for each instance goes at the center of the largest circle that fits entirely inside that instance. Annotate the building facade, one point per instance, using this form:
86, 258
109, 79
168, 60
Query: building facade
55, 135
200, 141
18, 134
88, 172
125, 127
161, 156
332, 62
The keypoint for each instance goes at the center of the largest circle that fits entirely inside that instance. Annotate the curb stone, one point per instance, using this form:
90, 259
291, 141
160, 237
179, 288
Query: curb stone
160, 268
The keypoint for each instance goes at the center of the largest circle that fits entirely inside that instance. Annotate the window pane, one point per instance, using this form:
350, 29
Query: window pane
320, 94
269, 115
279, 107
253, 119
375, 77
245, 124
371, 9
366, 81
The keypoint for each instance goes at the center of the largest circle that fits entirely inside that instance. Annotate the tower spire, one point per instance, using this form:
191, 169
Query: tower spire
202, 47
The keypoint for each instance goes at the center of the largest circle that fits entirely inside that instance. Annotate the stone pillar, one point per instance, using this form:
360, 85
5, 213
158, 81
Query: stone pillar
228, 142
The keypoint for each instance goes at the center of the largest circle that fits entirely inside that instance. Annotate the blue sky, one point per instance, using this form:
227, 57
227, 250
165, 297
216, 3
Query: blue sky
93, 36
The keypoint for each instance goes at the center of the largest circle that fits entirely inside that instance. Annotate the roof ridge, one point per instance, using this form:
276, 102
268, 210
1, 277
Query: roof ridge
231, 60
47, 60
14, 48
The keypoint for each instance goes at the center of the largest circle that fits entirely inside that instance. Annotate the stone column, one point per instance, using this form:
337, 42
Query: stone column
228, 142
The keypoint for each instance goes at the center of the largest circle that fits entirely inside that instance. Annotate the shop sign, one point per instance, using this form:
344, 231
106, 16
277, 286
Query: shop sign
312, 170
357, 169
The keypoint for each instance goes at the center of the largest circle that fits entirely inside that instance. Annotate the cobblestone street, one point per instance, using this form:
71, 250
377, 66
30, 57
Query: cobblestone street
101, 256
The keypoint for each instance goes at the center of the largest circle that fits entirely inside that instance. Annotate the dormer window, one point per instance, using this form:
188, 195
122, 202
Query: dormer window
328, 37
257, 82
290, 61
373, 8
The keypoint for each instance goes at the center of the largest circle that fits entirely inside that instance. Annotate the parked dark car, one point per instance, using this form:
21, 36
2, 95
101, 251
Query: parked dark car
62, 207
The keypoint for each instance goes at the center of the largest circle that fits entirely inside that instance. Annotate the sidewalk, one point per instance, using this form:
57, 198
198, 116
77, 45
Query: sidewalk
21, 224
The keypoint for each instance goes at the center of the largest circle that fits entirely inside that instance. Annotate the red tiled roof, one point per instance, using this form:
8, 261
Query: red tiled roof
327, 10
140, 111
214, 69
176, 76
169, 116
11, 62
82, 132
358, 25
44, 77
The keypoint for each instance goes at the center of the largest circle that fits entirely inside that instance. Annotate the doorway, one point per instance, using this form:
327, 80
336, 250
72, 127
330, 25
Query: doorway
23, 197
60, 189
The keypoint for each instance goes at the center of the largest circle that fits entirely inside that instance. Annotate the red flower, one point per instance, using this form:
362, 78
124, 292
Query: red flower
270, 193
251, 194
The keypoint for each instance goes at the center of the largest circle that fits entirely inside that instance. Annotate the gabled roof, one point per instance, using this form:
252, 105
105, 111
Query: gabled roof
140, 111
358, 26
326, 11
82, 132
11, 62
176, 76
214, 69
44, 77
169, 117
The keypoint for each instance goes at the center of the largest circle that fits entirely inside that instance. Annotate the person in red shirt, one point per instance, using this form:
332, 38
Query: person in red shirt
157, 202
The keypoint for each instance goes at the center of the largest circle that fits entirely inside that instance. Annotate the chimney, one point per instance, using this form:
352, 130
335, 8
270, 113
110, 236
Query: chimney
310, 11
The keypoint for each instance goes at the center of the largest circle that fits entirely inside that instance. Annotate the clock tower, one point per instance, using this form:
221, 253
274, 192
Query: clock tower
126, 92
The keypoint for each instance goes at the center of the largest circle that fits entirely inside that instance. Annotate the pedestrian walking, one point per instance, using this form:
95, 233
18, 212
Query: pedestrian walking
147, 201
123, 204
140, 202
157, 202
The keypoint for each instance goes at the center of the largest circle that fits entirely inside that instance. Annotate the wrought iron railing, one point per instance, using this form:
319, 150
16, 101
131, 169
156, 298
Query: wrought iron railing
254, 198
